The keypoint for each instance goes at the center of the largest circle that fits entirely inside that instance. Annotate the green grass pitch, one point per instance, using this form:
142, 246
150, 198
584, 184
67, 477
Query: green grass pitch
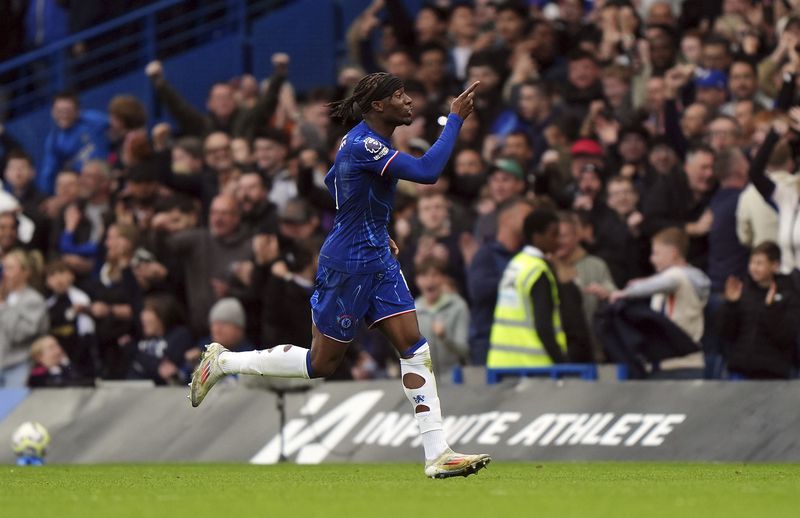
400, 490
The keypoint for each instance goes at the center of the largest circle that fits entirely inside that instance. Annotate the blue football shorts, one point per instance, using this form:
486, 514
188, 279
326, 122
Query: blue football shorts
341, 300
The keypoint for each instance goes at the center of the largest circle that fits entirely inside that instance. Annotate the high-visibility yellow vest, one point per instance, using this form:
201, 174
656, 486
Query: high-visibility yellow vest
514, 341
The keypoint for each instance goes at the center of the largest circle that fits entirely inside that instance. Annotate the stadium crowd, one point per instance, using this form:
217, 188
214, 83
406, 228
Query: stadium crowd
662, 133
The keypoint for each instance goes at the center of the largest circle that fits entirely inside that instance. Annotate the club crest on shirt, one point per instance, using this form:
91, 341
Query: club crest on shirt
345, 321
375, 147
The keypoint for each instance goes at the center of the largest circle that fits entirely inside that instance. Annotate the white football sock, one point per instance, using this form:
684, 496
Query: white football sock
419, 385
282, 361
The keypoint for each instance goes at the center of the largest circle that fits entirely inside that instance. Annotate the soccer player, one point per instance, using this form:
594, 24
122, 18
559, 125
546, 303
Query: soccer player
359, 277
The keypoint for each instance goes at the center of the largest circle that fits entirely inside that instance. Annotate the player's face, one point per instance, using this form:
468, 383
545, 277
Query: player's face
397, 109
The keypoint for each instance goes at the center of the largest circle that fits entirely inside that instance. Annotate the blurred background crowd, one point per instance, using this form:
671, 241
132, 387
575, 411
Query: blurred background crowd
662, 132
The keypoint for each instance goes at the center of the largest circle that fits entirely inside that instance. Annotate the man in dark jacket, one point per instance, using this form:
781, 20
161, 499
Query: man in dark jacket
223, 113
759, 318
484, 275
682, 200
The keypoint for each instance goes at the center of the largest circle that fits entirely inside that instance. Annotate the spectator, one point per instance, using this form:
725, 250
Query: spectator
9, 240
187, 156
468, 177
463, 31
297, 221
126, 114
681, 200
51, 367
23, 314
574, 264
711, 88
759, 318
68, 308
270, 151
223, 114
227, 323
95, 189
618, 236
289, 279
678, 293
723, 133
252, 195
116, 301
159, 355
784, 195
506, 181
485, 271
443, 317
18, 179
726, 256
209, 255
435, 221
75, 243
78, 136
756, 220
583, 83
744, 86
67, 191
527, 330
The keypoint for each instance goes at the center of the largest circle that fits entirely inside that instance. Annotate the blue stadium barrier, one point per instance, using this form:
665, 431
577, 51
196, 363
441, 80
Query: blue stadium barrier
10, 398
584, 371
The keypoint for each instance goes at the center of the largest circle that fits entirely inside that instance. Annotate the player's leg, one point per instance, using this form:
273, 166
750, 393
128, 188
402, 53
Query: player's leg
419, 385
281, 361
333, 330
392, 311
288, 361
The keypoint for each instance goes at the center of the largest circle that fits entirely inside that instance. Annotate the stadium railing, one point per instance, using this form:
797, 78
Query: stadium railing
199, 42
114, 48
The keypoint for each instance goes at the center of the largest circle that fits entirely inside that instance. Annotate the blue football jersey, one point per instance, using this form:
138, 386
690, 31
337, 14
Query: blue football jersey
364, 194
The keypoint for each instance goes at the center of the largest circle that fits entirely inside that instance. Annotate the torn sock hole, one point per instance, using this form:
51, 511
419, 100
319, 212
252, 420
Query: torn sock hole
421, 408
286, 348
413, 381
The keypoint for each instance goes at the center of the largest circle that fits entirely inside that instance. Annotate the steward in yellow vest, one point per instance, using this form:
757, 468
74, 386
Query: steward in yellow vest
527, 323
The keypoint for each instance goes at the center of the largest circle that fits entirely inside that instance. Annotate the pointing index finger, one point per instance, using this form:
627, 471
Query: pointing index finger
471, 89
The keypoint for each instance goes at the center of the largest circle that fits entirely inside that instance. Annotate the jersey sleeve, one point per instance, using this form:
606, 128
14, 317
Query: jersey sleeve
373, 155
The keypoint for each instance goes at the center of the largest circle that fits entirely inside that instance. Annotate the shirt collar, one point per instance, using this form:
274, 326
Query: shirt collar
532, 250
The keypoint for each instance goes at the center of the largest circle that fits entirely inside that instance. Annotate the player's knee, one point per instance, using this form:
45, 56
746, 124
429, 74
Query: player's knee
323, 367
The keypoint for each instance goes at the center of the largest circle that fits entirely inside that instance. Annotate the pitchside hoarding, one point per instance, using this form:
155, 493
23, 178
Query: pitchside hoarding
372, 422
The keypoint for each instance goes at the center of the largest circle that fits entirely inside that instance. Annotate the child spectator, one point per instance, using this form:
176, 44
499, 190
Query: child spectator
759, 317
51, 366
673, 324
443, 317
159, 354
70, 323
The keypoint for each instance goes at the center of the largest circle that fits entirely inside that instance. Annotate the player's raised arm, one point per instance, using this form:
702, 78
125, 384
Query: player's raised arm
428, 167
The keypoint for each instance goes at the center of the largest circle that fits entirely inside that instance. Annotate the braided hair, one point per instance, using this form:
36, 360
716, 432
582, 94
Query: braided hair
371, 87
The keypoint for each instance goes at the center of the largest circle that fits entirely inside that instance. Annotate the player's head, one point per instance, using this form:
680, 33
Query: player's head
379, 95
